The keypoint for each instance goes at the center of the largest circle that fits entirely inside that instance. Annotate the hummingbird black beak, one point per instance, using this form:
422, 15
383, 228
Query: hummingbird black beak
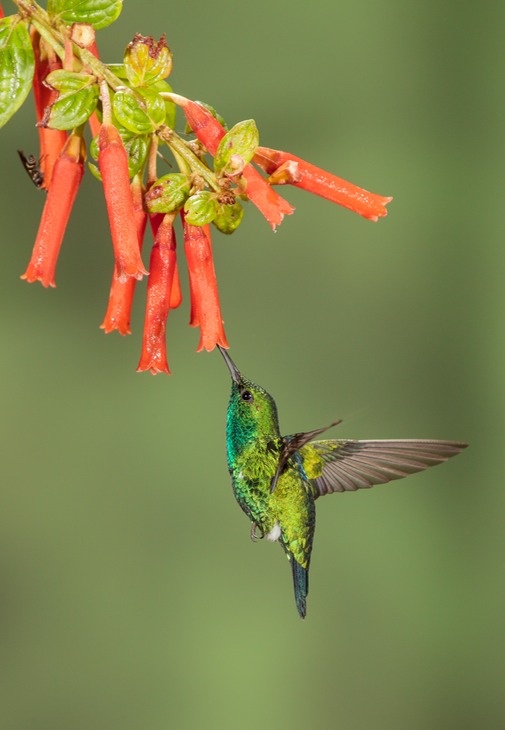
231, 365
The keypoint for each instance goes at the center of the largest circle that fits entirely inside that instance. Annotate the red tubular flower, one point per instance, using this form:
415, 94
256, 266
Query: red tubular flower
210, 132
121, 294
67, 175
2, 14
113, 163
155, 220
283, 167
176, 293
159, 288
205, 309
265, 198
51, 140
94, 124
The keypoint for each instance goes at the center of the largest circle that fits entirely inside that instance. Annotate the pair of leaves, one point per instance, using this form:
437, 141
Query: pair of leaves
172, 193
152, 111
204, 207
140, 112
77, 99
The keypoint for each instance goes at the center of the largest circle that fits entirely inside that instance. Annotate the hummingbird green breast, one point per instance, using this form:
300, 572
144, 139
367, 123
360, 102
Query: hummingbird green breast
276, 479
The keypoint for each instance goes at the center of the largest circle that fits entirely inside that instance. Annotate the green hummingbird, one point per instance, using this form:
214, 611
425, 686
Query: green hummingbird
277, 479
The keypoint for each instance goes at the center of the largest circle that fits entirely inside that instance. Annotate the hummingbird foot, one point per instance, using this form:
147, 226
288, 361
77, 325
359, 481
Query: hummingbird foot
254, 536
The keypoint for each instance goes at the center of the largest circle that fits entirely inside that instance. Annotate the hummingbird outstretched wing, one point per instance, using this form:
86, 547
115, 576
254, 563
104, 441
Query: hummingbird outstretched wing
351, 465
290, 444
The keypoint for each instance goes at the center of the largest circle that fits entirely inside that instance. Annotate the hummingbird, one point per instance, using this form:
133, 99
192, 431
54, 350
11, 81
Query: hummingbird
277, 479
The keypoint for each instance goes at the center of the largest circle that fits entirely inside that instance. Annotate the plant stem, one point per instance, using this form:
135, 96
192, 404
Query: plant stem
179, 147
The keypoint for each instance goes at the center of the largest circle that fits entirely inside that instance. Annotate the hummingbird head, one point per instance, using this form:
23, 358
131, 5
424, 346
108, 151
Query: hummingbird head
252, 411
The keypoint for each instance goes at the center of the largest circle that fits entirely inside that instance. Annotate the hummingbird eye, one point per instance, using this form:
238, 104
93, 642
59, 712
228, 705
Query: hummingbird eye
247, 395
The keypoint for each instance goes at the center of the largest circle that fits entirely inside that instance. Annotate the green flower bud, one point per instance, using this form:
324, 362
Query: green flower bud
147, 61
201, 208
229, 217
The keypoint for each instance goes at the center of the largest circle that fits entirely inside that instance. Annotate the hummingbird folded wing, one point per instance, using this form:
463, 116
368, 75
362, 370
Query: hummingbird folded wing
351, 465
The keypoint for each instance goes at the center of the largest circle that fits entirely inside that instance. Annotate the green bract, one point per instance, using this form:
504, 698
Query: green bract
98, 13
77, 100
16, 66
170, 107
237, 148
168, 194
200, 208
229, 217
146, 61
136, 148
142, 111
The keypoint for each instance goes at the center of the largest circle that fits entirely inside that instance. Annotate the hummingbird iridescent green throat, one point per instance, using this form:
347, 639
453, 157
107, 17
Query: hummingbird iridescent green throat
277, 479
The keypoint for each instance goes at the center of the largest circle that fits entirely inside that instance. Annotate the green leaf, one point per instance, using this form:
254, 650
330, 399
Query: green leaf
119, 70
170, 107
229, 217
77, 100
136, 148
169, 193
98, 13
147, 61
139, 119
237, 148
17, 64
68, 81
201, 208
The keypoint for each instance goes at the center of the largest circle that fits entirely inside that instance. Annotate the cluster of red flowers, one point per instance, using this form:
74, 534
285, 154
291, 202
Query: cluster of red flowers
62, 155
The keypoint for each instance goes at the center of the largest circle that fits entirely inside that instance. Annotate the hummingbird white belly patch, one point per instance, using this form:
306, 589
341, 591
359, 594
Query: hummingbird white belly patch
274, 533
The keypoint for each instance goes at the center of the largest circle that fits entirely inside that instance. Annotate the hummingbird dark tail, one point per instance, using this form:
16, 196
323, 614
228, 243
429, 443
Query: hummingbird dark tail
301, 586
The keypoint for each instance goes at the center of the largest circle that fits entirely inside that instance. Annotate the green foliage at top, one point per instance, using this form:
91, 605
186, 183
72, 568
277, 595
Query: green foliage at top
17, 64
98, 13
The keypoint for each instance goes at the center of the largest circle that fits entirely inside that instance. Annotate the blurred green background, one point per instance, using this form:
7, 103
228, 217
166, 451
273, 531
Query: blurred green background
131, 595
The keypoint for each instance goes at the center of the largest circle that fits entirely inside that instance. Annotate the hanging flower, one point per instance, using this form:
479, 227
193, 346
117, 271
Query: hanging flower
67, 175
284, 168
51, 141
113, 163
159, 293
121, 293
205, 308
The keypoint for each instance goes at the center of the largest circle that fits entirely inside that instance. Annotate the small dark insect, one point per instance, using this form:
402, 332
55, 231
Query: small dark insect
32, 168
